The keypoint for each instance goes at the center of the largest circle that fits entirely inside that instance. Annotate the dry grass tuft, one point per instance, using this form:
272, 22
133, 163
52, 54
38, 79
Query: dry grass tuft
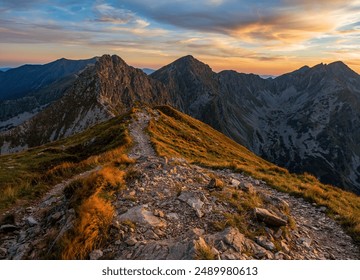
91, 230
203, 251
90, 199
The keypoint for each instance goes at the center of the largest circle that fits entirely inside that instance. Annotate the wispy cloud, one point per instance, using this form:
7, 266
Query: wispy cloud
238, 33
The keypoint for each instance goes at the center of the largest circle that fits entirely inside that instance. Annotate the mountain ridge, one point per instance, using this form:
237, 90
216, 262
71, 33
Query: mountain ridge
100, 92
270, 116
306, 120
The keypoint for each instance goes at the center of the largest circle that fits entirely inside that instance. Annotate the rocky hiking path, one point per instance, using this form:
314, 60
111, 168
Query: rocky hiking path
169, 209
142, 147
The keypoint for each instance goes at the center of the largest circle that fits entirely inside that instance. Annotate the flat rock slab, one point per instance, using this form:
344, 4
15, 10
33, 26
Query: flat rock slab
191, 200
141, 215
269, 218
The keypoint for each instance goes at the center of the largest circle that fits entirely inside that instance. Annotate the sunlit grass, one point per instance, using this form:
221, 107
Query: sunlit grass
27, 175
91, 199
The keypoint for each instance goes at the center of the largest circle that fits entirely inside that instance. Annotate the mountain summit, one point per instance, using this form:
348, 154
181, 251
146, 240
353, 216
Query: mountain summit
101, 91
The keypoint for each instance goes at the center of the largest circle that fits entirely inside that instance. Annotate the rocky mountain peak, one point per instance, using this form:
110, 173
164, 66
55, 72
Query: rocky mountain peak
339, 68
185, 65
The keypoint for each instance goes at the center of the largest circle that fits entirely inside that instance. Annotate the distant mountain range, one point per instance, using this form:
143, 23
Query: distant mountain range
148, 71
4, 69
306, 121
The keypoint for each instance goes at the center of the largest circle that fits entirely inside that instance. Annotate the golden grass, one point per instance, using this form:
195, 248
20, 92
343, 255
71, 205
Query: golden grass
91, 199
28, 175
91, 230
203, 251
177, 135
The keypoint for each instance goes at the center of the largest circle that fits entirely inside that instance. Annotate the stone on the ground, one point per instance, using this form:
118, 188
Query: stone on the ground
131, 241
173, 216
96, 254
31, 221
191, 200
269, 218
247, 187
140, 214
235, 183
264, 242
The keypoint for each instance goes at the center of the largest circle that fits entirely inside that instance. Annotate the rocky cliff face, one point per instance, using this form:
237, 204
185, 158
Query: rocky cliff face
100, 92
306, 120
314, 124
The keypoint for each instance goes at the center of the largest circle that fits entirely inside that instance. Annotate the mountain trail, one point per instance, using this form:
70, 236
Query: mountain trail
174, 209
142, 147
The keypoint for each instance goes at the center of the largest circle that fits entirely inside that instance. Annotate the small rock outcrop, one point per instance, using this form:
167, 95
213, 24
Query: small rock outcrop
269, 218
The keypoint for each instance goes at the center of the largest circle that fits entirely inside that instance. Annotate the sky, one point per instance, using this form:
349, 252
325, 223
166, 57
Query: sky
263, 37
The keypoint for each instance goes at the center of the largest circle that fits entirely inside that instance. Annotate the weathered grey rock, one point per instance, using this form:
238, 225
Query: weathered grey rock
199, 213
269, 218
150, 234
306, 242
30, 221
21, 251
140, 214
285, 247
131, 241
235, 183
264, 242
191, 200
278, 234
234, 244
277, 201
173, 216
96, 254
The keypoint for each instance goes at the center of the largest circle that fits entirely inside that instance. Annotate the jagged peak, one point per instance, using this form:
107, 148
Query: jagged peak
185, 64
189, 59
339, 66
106, 58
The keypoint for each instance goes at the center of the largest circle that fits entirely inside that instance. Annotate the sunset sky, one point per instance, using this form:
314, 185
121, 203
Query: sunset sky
263, 37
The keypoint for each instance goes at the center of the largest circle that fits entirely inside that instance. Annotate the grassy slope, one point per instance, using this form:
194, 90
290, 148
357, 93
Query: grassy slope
177, 135
27, 175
